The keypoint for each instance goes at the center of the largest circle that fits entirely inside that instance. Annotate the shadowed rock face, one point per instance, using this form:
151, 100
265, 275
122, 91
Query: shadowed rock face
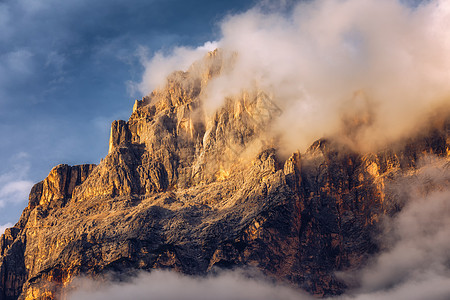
193, 192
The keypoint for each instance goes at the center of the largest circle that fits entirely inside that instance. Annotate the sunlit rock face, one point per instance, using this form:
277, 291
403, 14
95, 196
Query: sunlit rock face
24, 250
192, 191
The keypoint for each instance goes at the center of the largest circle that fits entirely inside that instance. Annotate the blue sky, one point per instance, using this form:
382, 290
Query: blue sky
65, 71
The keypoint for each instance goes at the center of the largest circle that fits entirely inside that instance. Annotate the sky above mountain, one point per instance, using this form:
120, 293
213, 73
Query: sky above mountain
68, 69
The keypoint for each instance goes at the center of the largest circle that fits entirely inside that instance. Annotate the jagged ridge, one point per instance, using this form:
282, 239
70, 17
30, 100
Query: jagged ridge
190, 192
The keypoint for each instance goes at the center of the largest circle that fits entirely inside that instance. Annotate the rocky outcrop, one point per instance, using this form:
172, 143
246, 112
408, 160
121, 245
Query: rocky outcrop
184, 190
48, 195
13, 273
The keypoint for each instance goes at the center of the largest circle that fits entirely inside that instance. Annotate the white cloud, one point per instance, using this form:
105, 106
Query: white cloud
14, 186
4, 226
162, 285
431, 286
328, 63
415, 263
14, 191
209, 46
161, 65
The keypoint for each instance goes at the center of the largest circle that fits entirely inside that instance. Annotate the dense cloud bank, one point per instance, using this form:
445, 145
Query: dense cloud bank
171, 285
364, 71
415, 259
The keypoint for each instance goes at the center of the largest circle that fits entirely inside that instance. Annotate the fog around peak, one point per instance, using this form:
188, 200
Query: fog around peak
366, 72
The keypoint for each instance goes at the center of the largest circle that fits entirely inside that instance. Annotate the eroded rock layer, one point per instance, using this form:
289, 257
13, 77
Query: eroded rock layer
183, 190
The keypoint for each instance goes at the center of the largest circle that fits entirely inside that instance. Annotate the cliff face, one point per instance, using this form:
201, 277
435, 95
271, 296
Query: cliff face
46, 197
192, 192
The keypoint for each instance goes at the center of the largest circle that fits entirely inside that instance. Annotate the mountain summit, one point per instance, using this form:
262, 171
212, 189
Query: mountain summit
195, 191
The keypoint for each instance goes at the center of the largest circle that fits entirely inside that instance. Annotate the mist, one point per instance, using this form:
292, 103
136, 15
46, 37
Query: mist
366, 72
415, 259
171, 285
162, 64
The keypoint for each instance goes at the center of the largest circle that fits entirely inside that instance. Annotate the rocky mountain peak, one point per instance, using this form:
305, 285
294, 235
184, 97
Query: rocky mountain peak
190, 191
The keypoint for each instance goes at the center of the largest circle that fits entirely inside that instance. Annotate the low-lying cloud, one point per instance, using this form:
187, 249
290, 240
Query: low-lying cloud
415, 261
369, 72
171, 285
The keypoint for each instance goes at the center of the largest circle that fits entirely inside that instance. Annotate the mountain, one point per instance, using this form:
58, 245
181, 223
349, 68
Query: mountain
195, 192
